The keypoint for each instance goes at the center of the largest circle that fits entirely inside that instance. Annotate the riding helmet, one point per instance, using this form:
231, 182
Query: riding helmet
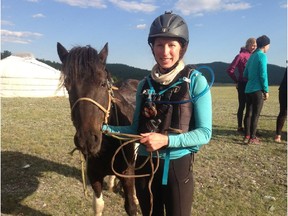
169, 25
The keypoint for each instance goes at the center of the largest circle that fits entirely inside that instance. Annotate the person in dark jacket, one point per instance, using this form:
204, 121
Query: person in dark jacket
239, 63
282, 116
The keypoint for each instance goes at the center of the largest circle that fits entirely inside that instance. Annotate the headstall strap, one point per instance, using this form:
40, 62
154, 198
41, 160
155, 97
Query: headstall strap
110, 99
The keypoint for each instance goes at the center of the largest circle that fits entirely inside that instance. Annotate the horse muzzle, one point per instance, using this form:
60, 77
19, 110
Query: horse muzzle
88, 143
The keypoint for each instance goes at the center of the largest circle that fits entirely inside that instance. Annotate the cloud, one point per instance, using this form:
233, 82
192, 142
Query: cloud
131, 6
84, 3
236, 6
284, 5
6, 23
199, 25
188, 7
141, 26
39, 15
134, 6
18, 37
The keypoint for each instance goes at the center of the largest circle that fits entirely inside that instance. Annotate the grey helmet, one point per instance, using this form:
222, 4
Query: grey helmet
169, 25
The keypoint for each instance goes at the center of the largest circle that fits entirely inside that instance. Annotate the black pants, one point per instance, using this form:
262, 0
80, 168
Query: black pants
283, 111
254, 104
241, 102
173, 199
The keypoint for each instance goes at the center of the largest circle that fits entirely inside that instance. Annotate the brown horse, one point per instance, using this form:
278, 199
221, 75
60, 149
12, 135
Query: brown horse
94, 101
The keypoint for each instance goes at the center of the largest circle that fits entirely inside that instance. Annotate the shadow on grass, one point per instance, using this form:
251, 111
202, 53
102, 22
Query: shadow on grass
19, 179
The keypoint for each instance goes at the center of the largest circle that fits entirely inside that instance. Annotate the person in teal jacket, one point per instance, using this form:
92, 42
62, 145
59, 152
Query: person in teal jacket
173, 115
257, 89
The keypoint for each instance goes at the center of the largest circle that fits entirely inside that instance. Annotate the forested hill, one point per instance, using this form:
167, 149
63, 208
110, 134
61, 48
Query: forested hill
120, 71
123, 72
275, 73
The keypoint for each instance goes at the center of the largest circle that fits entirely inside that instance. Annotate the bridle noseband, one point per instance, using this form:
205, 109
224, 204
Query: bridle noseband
110, 98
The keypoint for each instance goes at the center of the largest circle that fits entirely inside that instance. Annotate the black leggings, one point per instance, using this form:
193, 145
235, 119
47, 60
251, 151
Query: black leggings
241, 102
176, 197
283, 111
254, 104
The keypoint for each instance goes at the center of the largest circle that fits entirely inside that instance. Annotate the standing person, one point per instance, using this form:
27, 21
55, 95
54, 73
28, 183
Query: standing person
239, 62
256, 89
176, 130
282, 116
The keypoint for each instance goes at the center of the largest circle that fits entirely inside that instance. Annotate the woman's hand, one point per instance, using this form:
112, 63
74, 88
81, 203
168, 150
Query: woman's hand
154, 141
265, 95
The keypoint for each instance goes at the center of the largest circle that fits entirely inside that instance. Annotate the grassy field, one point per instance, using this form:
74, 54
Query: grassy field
39, 177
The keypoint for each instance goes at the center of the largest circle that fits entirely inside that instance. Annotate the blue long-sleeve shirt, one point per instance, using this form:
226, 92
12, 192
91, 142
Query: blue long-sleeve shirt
256, 72
179, 144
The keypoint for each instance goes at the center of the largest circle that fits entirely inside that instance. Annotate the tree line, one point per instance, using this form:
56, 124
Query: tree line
123, 72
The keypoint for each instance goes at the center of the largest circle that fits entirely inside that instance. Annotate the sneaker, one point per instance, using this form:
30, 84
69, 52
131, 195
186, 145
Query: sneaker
246, 140
277, 138
254, 141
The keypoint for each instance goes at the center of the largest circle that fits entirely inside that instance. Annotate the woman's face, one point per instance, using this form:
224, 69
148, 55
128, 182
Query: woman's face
167, 51
252, 47
266, 48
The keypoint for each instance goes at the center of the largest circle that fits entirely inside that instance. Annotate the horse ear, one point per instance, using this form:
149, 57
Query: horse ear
62, 52
104, 53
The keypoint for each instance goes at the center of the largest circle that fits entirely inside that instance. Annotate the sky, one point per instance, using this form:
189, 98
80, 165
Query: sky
217, 28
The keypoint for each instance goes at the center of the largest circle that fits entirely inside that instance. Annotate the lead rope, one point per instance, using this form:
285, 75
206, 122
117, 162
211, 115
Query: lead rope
130, 138
83, 171
84, 174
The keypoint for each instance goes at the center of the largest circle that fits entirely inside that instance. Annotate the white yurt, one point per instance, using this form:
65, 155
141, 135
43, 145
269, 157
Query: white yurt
24, 76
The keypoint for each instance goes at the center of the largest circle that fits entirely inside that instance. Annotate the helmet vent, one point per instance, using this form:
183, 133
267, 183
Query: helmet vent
164, 29
180, 24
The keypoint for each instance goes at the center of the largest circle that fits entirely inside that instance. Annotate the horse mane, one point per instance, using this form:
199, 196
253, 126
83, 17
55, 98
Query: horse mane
80, 63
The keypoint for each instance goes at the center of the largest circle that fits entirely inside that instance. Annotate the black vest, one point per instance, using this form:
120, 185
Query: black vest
171, 116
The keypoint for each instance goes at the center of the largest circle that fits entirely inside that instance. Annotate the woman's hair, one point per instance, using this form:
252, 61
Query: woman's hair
250, 41
182, 42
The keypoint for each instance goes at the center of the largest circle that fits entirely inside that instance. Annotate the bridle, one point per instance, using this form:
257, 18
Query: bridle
131, 139
110, 99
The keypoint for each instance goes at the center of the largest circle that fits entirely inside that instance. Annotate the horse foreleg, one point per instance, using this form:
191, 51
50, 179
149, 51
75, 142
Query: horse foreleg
98, 204
136, 201
129, 192
111, 182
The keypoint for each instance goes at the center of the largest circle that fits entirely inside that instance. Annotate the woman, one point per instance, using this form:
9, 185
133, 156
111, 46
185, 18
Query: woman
256, 89
282, 116
167, 125
239, 62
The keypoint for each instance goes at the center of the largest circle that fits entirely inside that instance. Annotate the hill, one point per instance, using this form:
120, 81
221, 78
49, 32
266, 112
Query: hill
121, 71
275, 73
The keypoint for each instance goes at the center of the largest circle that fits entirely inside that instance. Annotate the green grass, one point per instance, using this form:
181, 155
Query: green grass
231, 179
